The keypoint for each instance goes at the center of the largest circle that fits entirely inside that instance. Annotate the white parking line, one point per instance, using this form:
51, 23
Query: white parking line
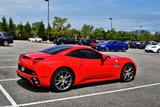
89, 95
5, 67
14, 104
14, 79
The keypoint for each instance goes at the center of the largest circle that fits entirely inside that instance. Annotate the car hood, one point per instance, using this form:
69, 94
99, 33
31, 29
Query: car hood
149, 46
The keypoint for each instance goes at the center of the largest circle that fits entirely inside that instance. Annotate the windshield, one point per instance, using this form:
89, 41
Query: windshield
109, 41
55, 49
154, 43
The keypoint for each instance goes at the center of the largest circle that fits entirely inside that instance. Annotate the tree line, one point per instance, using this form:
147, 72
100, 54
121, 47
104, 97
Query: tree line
61, 28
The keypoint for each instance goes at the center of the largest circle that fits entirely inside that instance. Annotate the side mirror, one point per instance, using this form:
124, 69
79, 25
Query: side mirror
104, 58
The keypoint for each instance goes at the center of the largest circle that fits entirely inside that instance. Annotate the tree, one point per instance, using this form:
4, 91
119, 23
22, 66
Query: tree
20, 29
60, 26
41, 31
60, 23
48, 30
12, 28
27, 30
86, 31
0, 26
99, 33
157, 36
35, 26
4, 26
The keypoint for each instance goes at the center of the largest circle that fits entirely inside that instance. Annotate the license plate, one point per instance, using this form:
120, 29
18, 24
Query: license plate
23, 68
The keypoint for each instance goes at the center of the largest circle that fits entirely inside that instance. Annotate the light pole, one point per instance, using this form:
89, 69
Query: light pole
48, 22
111, 22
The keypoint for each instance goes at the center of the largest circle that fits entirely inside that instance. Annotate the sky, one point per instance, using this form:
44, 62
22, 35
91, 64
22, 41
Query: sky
127, 14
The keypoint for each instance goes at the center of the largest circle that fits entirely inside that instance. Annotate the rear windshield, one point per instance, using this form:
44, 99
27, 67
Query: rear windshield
56, 49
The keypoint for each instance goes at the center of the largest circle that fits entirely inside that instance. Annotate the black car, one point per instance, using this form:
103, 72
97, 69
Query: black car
86, 42
60, 41
5, 38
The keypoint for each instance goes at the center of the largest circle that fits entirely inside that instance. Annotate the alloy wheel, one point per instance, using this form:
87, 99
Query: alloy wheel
128, 73
63, 80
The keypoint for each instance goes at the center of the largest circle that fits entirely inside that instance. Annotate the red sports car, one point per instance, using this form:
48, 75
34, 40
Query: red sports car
61, 67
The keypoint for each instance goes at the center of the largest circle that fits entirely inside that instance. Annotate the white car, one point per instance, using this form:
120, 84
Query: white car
35, 39
153, 48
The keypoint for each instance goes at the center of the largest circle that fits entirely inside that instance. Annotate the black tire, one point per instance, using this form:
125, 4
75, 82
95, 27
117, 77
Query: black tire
57, 81
123, 49
158, 51
5, 43
128, 73
107, 49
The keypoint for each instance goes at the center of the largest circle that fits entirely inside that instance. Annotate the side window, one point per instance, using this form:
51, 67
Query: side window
85, 53
118, 42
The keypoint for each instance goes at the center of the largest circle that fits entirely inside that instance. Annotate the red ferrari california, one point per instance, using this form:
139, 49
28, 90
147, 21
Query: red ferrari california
61, 67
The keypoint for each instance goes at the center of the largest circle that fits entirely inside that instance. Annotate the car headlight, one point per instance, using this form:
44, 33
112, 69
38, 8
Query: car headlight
102, 45
154, 47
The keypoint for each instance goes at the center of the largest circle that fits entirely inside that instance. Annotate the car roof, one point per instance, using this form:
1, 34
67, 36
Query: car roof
72, 48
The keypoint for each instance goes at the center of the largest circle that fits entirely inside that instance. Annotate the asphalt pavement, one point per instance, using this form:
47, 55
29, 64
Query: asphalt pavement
143, 91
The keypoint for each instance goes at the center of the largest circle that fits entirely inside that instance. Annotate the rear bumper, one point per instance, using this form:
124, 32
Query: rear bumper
34, 80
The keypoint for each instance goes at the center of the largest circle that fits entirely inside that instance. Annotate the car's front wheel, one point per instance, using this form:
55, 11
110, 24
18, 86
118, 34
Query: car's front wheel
5, 43
128, 73
107, 49
158, 51
62, 80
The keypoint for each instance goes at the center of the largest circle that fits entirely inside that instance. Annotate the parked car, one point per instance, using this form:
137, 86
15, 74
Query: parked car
86, 42
64, 40
5, 38
153, 48
113, 45
35, 39
63, 66
133, 44
94, 43
145, 43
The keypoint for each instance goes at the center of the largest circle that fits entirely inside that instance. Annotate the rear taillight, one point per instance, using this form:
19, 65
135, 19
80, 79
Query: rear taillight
21, 56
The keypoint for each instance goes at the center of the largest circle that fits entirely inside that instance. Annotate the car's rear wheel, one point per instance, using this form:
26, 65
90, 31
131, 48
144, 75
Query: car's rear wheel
158, 51
5, 43
123, 49
107, 49
128, 73
62, 80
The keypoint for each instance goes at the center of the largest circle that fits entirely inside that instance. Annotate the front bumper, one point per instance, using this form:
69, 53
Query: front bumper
151, 50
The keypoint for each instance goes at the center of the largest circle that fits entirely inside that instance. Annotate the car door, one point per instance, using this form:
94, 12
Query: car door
117, 45
91, 64
113, 45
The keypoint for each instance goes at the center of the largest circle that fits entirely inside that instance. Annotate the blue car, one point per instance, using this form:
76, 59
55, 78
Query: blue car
113, 45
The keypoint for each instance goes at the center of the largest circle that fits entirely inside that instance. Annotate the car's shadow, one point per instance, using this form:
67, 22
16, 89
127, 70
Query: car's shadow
95, 84
26, 85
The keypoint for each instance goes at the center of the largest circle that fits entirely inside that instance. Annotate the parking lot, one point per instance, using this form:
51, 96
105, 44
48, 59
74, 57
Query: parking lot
144, 91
